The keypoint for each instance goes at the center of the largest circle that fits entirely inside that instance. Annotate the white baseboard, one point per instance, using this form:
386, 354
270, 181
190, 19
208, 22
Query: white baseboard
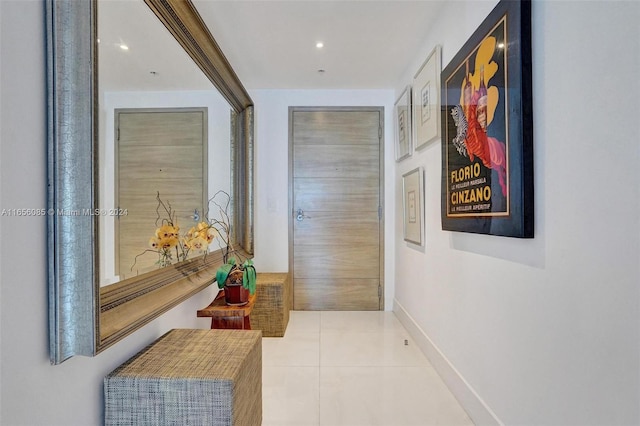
475, 407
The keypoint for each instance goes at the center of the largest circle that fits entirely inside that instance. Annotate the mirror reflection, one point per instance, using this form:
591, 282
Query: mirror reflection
163, 129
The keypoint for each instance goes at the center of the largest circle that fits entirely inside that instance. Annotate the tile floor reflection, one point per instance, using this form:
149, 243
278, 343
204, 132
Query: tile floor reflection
351, 368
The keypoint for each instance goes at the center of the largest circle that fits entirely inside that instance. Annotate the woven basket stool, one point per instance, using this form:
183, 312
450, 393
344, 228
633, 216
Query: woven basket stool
274, 300
196, 377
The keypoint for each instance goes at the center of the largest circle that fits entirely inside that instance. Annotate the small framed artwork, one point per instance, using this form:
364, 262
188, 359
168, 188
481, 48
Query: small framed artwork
412, 190
487, 128
426, 99
402, 110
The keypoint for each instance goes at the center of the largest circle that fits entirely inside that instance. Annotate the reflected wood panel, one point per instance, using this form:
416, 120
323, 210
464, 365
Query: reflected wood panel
168, 128
160, 152
160, 162
174, 191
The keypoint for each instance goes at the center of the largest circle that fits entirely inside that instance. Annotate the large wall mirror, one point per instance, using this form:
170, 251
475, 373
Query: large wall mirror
98, 293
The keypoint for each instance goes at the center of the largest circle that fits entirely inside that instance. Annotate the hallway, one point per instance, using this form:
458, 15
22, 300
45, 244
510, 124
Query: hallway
351, 368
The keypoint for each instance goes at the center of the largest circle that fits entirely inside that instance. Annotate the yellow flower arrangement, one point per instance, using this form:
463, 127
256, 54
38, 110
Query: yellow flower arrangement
199, 237
166, 237
170, 246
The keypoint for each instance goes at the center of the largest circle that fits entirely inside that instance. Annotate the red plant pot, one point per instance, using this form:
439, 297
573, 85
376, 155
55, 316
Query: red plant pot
236, 295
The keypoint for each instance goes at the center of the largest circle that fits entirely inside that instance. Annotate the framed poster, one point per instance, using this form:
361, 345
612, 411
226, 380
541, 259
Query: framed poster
402, 109
487, 128
426, 99
413, 207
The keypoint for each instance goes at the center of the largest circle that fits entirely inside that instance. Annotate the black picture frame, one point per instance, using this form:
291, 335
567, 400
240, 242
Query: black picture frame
487, 128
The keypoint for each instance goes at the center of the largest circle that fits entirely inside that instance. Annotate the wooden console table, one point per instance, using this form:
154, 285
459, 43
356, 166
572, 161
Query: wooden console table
228, 317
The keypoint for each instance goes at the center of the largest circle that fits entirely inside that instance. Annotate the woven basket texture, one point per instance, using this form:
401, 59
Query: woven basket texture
274, 300
189, 377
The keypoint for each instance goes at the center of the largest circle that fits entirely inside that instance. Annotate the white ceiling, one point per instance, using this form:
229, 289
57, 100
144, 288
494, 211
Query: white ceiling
271, 44
154, 60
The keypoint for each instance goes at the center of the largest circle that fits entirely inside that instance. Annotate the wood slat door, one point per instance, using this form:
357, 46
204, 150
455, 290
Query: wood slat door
157, 151
335, 180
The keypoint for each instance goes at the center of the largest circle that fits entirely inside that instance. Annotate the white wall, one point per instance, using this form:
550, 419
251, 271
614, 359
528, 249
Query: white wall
31, 390
543, 331
272, 165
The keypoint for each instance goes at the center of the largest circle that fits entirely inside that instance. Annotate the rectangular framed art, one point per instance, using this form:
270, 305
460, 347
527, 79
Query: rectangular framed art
487, 128
413, 205
426, 100
402, 109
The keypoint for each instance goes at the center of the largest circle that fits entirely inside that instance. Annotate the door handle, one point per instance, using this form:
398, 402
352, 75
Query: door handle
300, 215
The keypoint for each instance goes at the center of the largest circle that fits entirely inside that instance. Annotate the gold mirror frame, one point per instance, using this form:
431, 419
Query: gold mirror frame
84, 318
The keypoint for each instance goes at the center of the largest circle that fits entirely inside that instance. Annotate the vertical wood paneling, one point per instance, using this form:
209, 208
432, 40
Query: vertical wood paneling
335, 128
158, 152
352, 228
336, 161
337, 194
336, 182
345, 294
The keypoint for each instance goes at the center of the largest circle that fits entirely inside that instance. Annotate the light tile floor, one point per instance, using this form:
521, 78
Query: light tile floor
351, 368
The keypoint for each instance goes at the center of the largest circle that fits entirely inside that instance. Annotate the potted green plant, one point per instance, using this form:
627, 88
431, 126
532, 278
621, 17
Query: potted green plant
237, 280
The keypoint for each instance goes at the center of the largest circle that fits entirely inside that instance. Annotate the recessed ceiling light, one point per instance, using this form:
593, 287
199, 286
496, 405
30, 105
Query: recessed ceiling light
124, 47
500, 45
319, 45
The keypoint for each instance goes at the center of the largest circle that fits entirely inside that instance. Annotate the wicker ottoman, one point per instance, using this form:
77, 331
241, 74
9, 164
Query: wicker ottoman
196, 377
273, 302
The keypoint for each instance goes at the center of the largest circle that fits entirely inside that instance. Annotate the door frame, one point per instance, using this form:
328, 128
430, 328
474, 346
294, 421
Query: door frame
381, 207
